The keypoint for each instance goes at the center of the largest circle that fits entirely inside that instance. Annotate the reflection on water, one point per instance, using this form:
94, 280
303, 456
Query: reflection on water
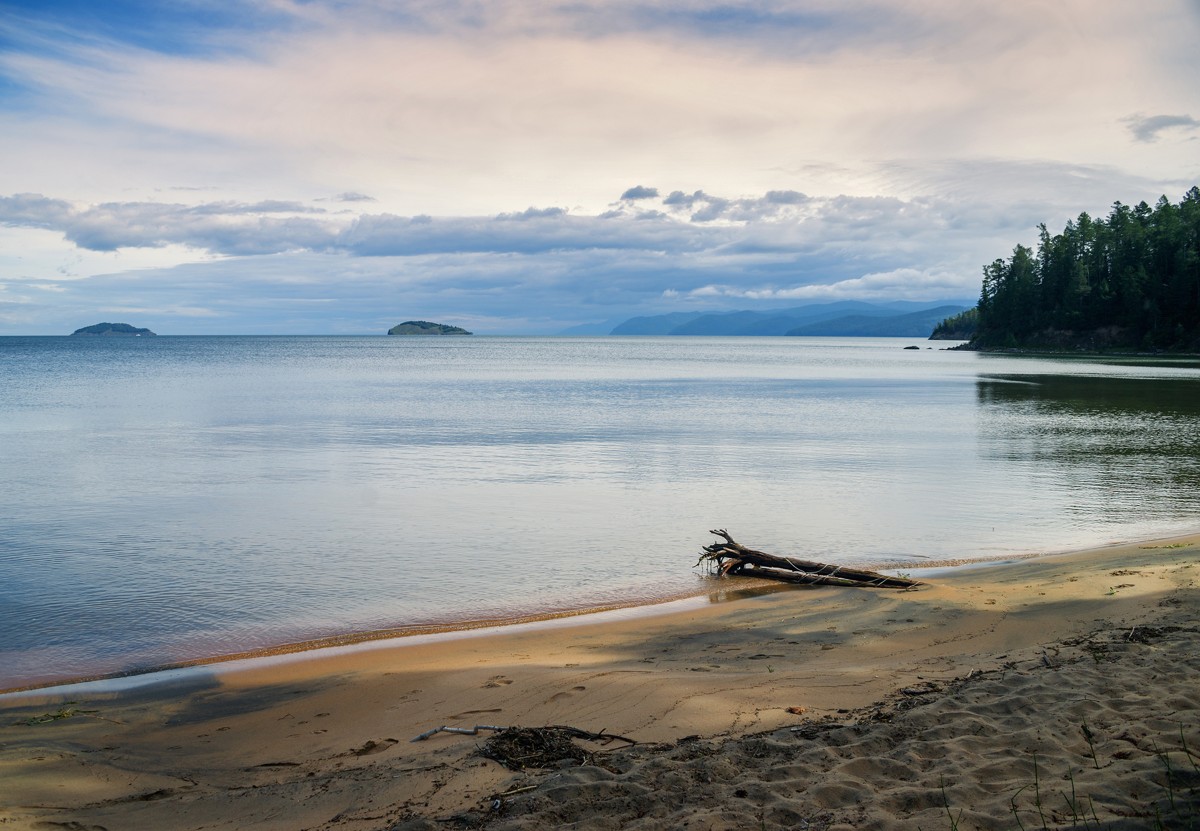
1092, 396
732, 589
1123, 447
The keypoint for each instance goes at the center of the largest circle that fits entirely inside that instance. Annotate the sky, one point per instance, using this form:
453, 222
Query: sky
513, 167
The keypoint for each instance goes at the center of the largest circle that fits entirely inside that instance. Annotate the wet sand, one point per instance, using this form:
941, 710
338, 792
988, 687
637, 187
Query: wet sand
801, 707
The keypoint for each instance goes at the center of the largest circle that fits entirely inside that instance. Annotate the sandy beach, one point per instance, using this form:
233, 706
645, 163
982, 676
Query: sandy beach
1057, 691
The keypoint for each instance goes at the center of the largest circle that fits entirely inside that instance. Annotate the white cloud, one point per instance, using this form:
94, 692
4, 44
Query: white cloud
639, 192
218, 227
899, 284
1150, 128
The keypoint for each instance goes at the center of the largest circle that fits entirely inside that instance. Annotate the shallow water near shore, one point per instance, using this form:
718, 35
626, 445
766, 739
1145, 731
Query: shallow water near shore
170, 499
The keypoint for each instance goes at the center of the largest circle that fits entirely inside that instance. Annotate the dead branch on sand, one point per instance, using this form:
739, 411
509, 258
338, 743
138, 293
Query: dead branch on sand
731, 557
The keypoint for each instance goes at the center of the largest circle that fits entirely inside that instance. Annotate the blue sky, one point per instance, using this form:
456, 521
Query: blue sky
273, 166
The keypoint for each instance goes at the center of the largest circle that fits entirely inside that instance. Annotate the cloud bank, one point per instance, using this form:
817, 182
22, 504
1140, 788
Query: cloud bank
286, 266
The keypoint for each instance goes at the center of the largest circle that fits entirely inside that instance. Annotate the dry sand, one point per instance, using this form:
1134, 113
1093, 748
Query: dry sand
1052, 692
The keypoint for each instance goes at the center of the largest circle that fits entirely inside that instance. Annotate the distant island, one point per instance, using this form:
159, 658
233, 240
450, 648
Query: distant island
424, 327
119, 330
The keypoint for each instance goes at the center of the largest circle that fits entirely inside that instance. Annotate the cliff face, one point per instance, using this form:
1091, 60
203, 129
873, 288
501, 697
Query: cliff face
113, 330
424, 327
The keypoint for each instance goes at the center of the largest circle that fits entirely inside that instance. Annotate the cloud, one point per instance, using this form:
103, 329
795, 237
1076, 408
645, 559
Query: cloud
1147, 128
639, 192
448, 108
704, 207
983, 207
523, 233
900, 284
785, 197
534, 213
34, 211
547, 267
766, 245
226, 228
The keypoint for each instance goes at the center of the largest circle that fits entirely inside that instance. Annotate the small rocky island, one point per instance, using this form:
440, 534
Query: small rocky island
424, 327
120, 330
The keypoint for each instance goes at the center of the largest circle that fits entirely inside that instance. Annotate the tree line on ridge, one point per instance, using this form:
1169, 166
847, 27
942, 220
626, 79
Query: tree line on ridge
1131, 281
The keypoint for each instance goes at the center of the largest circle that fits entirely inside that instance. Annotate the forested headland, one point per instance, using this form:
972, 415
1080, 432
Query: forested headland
1131, 281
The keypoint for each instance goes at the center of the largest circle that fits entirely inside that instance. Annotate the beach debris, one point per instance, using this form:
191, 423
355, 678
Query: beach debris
532, 747
603, 736
922, 688
65, 712
498, 799
518, 748
514, 792
464, 731
731, 557
1146, 634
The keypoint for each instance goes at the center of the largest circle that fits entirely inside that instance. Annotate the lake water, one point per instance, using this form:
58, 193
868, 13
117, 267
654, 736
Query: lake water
166, 499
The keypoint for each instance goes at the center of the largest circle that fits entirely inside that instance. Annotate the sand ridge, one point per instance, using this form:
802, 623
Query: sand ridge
783, 709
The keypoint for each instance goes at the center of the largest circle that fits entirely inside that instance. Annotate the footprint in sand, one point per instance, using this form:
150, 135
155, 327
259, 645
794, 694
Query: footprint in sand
466, 713
566, 694
372, 747
498, 681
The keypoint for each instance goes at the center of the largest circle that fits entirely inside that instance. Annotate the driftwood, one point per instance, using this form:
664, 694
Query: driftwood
731, 557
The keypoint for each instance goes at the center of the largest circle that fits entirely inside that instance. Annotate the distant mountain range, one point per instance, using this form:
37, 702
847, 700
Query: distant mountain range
846, 318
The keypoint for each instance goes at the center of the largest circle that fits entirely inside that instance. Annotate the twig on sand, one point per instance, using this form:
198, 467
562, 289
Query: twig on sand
465, 731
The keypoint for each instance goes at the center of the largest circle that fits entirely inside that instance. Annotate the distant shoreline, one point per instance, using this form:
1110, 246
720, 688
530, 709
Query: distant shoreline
1069, 352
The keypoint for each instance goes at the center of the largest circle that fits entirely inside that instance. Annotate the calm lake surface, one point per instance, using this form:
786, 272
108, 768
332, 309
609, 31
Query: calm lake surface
173, 498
